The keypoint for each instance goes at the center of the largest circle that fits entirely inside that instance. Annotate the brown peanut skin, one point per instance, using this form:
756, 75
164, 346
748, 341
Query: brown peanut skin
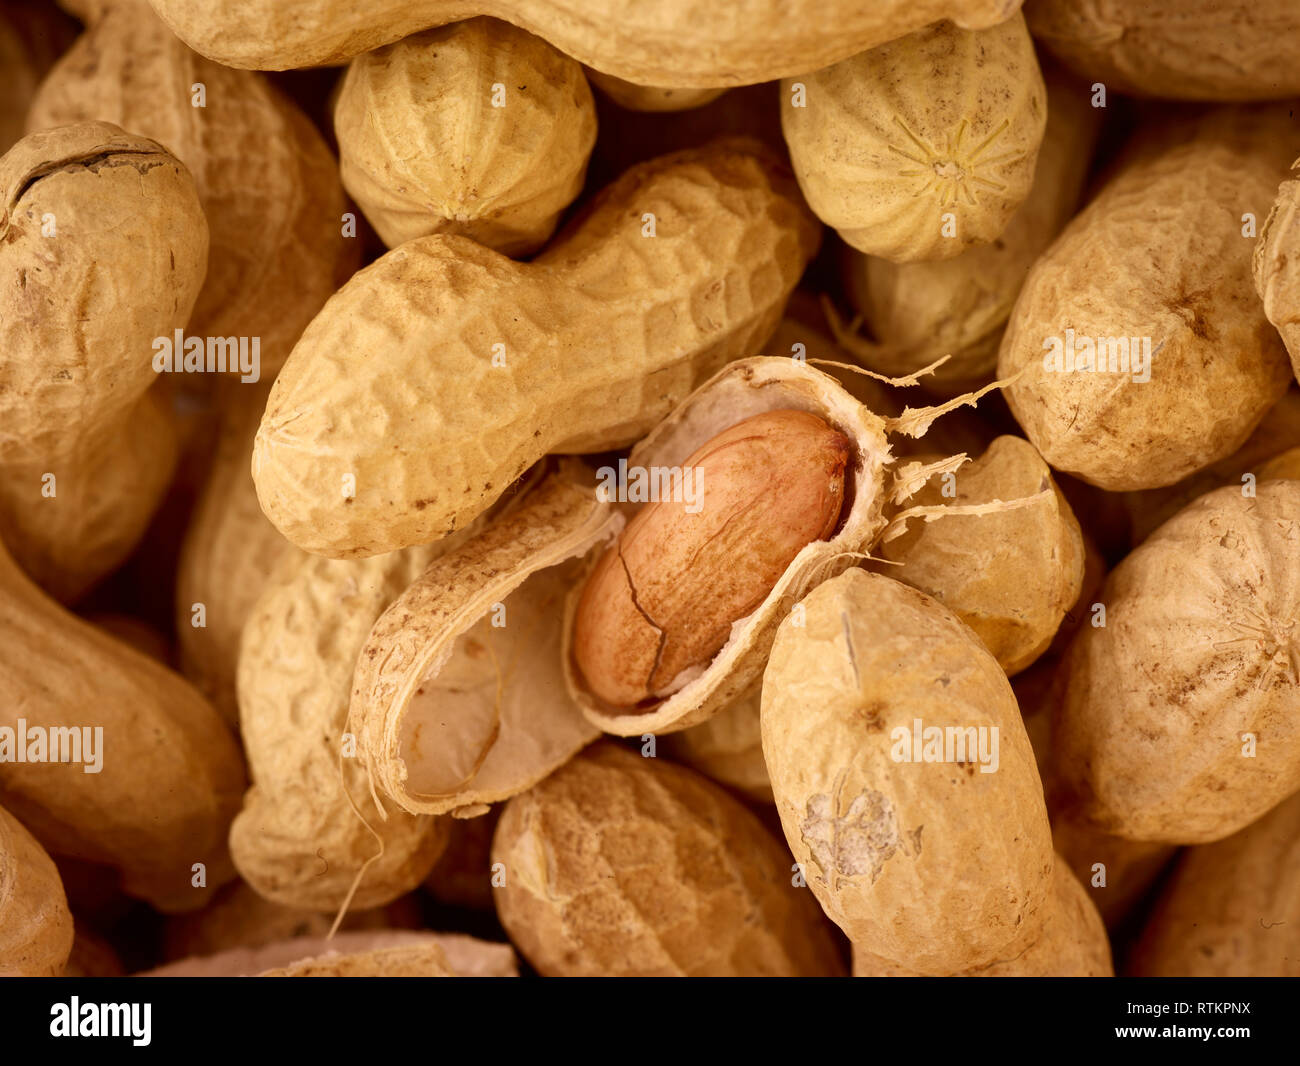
622, 866
663, 598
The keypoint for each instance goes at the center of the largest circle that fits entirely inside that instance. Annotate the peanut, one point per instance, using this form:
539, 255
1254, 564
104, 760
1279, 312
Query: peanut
169, 775
35, 926
676, 43
278, 249
298, 651
1277, 278
1010, 576
621, 866
93, 211
1175, 404
661, 602
918, 312
228, 554
1189, 50
924, 146
1072, 942
1232, 908
730, 240
1155, 736
935, 867
477, 129
458, 698
383, 953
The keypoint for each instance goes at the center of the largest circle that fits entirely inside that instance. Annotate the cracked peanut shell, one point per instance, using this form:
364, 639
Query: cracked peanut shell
741, 390
458, 699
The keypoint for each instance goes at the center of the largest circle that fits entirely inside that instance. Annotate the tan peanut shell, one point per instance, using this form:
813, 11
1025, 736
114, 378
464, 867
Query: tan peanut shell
228, 554
298, 840
741, 390
110, 218
108, 480
918, 312
477, 129
1184, 50
366, 953
1196, 662
459, 699
661, 600
618, 865
35, 925
678, 43
727, 748
633, 97
278, 249
1190, 304
936, 867
1131, 867
1231, 908
1010, 576
1278, 431
1072, 942
923, 147
582, 349
170, 774
1277, 252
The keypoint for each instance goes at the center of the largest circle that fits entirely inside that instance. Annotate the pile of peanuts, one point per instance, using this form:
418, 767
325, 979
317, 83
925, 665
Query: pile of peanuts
770, 488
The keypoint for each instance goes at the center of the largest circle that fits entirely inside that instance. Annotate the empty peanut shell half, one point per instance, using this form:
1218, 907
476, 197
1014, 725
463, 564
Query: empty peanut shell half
458, 700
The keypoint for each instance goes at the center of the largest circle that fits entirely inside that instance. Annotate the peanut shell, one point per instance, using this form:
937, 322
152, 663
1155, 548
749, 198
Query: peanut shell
477, 129
583, 349
936, 867
458, 699
617, 865
923, 147
739, 391
1196, 662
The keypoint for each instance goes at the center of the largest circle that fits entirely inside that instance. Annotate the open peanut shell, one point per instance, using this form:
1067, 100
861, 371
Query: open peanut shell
741, 390
458, 699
